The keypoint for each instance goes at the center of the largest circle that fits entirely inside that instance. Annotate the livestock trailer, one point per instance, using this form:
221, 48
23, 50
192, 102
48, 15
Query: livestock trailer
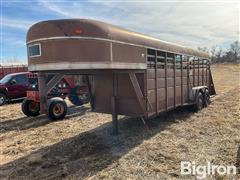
127, 73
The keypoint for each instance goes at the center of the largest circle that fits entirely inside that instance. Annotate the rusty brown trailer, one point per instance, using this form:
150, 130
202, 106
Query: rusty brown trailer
131, 74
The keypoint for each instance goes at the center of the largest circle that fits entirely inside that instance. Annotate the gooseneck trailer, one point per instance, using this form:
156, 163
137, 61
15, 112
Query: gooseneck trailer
127, 73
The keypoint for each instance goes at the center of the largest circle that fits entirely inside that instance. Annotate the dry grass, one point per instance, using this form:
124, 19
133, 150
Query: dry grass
81, 146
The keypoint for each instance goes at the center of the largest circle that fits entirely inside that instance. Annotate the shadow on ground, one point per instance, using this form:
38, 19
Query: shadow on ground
24, 123
238, 160
90, 152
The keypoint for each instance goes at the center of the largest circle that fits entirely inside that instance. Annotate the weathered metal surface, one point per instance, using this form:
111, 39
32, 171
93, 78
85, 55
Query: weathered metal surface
89, 44
104, 88
169, 85
97, 29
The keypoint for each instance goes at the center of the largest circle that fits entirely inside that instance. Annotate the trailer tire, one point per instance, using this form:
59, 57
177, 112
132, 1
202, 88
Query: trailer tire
76, 99
57, 108
199, 102
206, 101
30, 108
3, 99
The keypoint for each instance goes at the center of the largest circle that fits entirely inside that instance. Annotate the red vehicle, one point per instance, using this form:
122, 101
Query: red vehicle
20, 85
13, 86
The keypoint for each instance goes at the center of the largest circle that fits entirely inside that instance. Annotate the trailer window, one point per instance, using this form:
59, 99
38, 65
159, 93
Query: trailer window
191, 59
151, 57
170, 60
161, 59
184, 62
178, 61
197, 62
34, 50
200, 62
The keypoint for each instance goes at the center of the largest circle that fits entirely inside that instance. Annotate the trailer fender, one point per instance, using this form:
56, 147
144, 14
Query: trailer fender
195, 91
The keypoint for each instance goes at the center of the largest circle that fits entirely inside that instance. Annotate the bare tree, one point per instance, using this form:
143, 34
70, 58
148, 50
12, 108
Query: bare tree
204, 49
235, 51
218, 55
213, 53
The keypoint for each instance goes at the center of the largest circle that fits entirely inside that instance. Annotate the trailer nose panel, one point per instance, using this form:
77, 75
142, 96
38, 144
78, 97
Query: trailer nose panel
79, 44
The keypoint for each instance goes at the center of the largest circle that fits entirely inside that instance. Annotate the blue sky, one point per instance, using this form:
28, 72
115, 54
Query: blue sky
190, 23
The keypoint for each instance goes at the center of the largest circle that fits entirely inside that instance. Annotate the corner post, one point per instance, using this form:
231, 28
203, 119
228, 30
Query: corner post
42, 86
114, 116
114, 106
89, 89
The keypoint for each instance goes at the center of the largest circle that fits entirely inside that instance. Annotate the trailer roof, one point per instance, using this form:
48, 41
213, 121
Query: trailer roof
95, 29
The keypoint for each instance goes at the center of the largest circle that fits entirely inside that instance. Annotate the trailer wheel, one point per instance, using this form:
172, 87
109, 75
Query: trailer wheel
206, 98
3, 99
77, 99
199, 102
57, 108
30, 108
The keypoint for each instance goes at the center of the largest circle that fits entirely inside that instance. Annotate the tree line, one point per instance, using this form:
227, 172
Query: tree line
232, 54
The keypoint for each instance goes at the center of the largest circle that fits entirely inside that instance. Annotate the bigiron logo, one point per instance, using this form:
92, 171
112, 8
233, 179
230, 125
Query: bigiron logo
201, 171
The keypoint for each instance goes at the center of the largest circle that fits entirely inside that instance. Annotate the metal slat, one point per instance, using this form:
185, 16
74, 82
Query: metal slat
181, 80
198, 72
160, 57
156, 84
166, 83
193, 73
114, 107
174, 81
188, 78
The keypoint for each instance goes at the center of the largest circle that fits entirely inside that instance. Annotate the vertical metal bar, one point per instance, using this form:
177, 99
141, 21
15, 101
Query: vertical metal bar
208, 75
111, 52
174, 80
89, 88
114, 106
166, 83
198, 71
156, 83
193, 72
114, 116
188, 78
206, 72
42, 87
181, 79
202, 67
202, 72
146, 83
145, 93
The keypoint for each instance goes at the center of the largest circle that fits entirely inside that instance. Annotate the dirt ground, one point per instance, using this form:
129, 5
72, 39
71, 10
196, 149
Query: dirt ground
81, 146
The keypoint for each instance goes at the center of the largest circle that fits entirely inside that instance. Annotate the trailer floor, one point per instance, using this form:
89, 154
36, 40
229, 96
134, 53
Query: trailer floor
81, 146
